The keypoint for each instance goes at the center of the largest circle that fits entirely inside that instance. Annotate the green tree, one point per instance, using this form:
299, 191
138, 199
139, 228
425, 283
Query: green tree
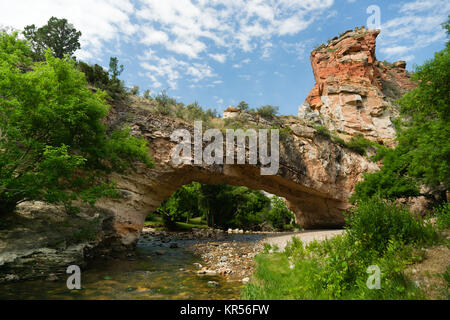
135, 90
267, 111
54, 144
147, 94
114, 69
279, 215
58, 35
243, 105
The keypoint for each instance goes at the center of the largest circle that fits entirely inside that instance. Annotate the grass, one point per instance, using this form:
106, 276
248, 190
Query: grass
357, 143
337, 268
182, 226
154, 221
318, 271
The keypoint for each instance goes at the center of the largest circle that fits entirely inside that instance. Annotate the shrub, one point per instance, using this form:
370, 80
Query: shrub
267, 111
375, 222
322, 131
359, 144
165, 103
443, 216
135, 90
147, 95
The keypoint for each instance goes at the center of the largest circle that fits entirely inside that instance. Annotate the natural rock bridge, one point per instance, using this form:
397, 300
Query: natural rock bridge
353, 95
316, 176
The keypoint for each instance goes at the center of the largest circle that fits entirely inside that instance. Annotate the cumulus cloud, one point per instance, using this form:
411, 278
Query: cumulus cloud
99, 21
417, 26
184, 31
219, 57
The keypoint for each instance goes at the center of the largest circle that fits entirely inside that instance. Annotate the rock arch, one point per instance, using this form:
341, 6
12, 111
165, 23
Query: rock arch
316, 176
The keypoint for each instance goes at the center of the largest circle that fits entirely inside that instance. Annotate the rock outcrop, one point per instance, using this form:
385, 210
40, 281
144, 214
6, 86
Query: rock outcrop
316, 176
354, 92
231, 112
41, 240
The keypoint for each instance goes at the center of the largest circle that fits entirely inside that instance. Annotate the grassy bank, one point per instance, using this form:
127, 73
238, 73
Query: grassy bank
378, 234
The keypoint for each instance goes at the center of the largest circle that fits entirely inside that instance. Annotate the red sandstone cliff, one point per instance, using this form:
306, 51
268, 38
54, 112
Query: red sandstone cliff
354, 92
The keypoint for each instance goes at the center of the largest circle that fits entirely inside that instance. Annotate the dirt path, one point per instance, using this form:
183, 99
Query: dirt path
305, 236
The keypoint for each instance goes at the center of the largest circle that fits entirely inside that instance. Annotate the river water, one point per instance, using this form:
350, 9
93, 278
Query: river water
143, 276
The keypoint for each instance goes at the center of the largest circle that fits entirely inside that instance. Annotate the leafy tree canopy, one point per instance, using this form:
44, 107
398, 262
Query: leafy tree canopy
58, 35
54, 144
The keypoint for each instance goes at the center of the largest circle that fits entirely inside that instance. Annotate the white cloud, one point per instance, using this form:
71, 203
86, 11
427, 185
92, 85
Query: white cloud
239, 65
417, 26
396, 50
153, 36
219, 57
227, 23
301, 49
267, 50
99, 21
190, 30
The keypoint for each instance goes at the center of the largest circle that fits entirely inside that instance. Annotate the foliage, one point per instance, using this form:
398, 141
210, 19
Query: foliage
101, 79
225, 206
423, 136
58, 35
378, 233
243, 105
147, 95
279, 215
267, 111
373, 223
323, 131
422, 155
165, 103
443, 216
135, 90
54, 145
359, 144
182, 205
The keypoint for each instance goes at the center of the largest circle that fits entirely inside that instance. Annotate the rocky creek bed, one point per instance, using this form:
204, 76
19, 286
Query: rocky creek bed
222, 254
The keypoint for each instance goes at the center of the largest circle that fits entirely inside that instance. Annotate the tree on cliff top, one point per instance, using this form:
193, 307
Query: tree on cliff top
54, 145
57, 35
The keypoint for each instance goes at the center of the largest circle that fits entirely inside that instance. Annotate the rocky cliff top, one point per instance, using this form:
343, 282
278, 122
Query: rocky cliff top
354, 92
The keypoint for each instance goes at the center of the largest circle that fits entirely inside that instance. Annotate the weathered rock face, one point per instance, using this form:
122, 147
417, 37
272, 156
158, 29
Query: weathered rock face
316, 176
42, 240
353, 93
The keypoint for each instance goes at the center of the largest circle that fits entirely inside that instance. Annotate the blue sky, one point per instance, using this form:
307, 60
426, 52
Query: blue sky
219, 52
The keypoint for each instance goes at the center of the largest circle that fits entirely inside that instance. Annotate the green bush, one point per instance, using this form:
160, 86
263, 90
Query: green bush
373, 223
99, 78
359, 144
165, 103
332, 269
135, 90
267, 111
322, 131
443, 216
